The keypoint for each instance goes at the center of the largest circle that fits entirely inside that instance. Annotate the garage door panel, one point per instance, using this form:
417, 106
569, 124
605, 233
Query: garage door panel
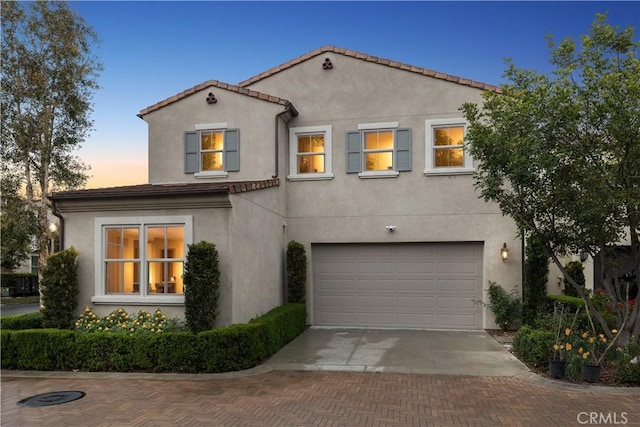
422, 285
416, 267
426, 285
457, 285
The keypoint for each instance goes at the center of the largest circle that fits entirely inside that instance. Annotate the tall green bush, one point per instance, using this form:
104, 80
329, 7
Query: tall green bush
202, 287
507, 307
296, 273
576, 271
59, 289
536, 273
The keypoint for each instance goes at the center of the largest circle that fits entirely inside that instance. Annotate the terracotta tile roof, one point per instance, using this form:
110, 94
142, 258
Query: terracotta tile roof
217, 84
159, 190
369, 58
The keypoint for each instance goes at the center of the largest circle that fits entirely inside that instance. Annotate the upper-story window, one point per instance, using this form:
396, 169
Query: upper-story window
212, 150
445, 151
310, 153
379, 150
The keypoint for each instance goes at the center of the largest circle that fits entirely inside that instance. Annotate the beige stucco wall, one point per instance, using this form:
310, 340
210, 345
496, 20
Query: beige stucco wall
254, 118
209, 224
424, 208
257, 240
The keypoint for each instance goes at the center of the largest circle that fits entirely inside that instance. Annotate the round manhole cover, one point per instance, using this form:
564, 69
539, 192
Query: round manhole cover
54, 398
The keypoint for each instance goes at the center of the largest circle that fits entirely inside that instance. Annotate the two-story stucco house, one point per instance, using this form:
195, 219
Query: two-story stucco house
359, 158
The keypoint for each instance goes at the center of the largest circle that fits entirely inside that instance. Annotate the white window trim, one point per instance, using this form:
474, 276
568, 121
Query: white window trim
293, 154
209, 174
100, 295
211, 126
379, 174
430, 168
377, 126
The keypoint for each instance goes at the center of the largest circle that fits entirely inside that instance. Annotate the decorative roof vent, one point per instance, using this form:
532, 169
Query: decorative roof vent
327, 65
211, 98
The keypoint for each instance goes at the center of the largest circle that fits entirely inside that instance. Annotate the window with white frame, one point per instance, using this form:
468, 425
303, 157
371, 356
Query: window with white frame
212, 150
141, 259
310, 153
444, 147
379, 150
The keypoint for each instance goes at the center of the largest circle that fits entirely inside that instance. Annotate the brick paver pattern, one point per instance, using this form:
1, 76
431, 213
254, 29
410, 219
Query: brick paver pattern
313, 398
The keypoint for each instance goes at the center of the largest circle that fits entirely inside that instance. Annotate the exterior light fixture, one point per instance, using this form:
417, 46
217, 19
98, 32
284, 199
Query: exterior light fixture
584, 255
504, 252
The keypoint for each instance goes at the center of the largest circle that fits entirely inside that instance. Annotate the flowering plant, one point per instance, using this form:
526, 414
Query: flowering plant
121, 321
563, 343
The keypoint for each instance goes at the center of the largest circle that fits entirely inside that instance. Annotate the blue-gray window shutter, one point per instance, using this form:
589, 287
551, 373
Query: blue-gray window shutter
403, 149
232, 150
191, 152
354, 152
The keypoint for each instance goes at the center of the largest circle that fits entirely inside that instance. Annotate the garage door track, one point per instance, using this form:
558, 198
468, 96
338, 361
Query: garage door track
398, 351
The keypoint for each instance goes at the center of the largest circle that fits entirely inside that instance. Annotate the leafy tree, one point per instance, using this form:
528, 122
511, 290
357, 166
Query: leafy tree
19, 225
560, 154
48, 74
536, 273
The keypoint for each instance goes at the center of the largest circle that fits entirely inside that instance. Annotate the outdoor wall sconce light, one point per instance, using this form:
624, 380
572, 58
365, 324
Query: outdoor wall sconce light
583, 255
504, 252
327, 65
391, 228
211, 98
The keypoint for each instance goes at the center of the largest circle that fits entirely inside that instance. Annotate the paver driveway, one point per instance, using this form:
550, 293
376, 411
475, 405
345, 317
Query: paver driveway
314, 398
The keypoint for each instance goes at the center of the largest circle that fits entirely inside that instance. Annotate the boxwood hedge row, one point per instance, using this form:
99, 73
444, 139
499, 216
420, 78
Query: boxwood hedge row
229, 348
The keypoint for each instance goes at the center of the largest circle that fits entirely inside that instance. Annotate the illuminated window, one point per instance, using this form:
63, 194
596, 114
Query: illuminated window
141, 258
310, 153
378, 150
445, 152
212, 150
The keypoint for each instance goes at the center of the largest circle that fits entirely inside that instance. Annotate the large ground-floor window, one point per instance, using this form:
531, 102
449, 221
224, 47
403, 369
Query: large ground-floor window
141, 257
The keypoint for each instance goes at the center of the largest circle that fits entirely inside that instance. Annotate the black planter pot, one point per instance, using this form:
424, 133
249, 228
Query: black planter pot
557, 368
591, 372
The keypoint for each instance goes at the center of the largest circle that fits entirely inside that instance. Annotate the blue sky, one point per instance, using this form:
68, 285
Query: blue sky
152, 50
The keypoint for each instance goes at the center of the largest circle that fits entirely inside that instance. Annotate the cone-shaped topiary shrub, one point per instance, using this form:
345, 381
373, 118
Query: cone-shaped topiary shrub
202, 282
296, 273
59, 288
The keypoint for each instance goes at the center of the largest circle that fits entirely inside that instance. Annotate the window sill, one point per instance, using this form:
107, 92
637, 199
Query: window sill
310, 177
449, 171
379, 174
211, 175
139, 300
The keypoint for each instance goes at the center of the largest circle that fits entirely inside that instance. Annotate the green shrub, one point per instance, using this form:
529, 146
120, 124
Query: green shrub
575, 270
506, 307
219, 350
568, 301
536, 274
533, 346
296, 273
202, 282
628, 372
59, 289
22, 321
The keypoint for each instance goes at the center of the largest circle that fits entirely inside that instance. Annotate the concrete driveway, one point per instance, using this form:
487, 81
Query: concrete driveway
398, 351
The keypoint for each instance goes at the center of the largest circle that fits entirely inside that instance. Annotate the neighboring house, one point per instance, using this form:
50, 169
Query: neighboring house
359, 158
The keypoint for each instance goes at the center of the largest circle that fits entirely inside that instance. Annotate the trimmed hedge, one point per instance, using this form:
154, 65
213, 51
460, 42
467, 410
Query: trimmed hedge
21, 321
533, 346
574, 302
230, 348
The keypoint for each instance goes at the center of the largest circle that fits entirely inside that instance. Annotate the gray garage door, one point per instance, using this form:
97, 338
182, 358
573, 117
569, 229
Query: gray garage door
417, 285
